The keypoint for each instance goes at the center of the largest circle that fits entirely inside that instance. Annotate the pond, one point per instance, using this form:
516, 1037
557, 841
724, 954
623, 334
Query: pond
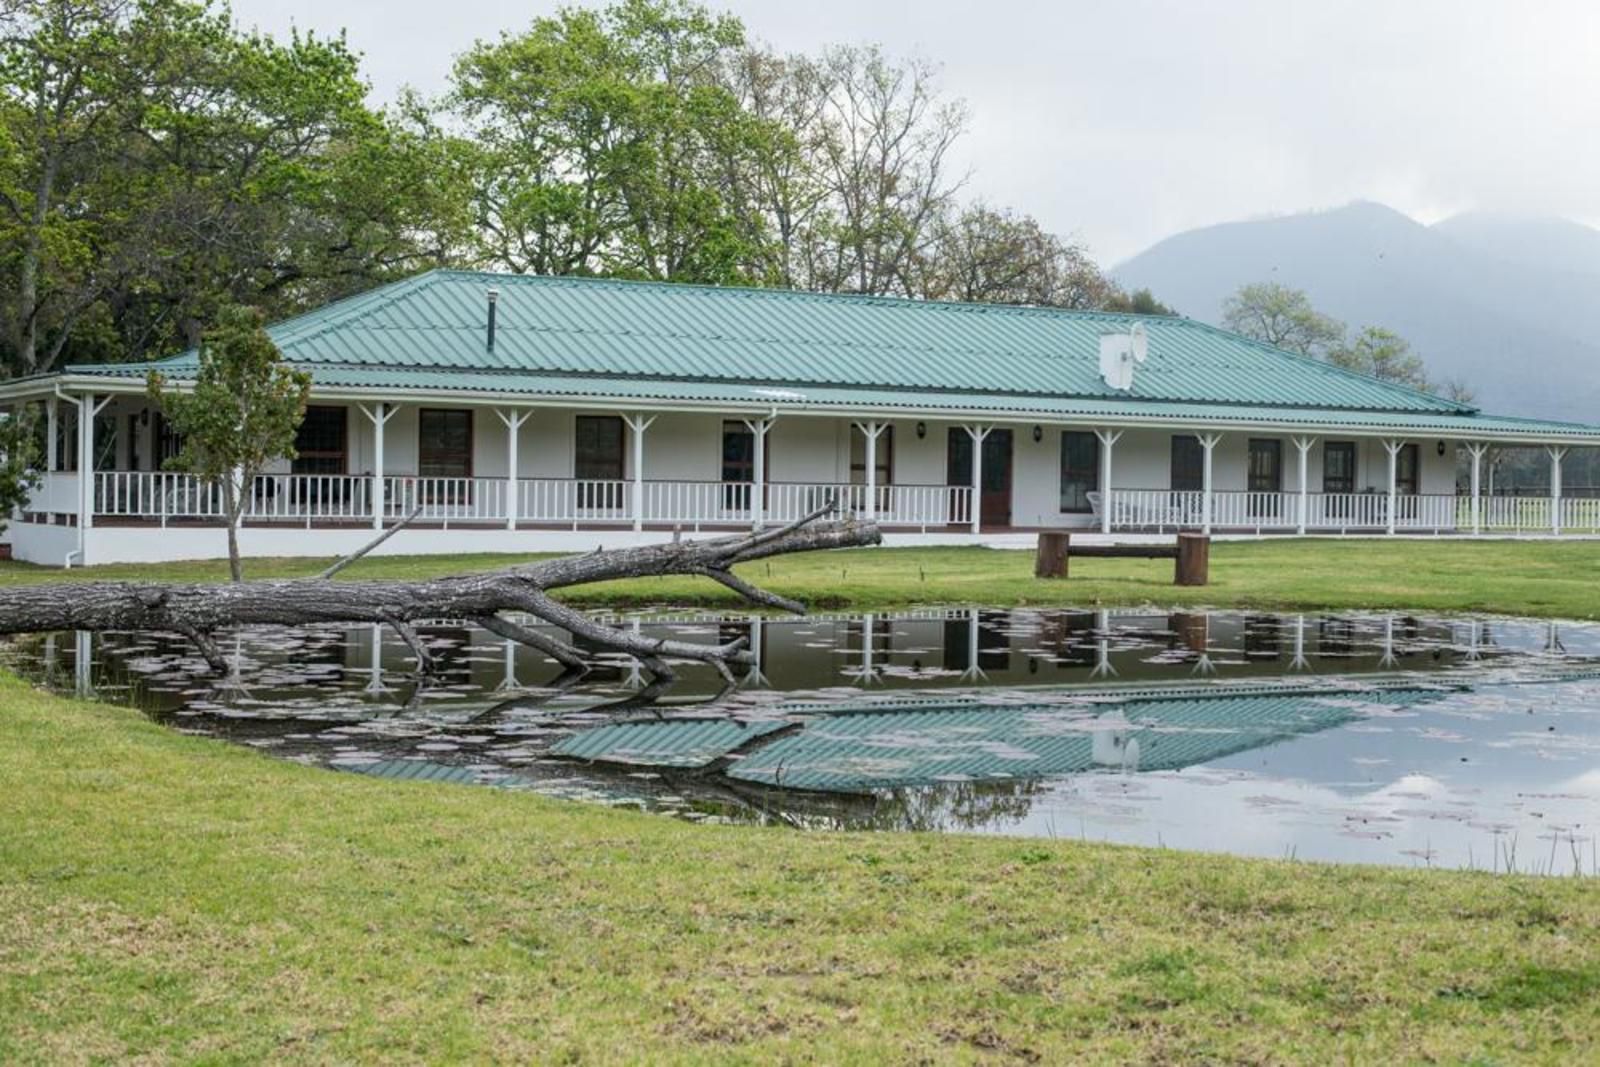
1359, 738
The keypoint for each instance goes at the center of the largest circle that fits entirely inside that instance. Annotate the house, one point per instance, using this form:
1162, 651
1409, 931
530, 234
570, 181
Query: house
519, 413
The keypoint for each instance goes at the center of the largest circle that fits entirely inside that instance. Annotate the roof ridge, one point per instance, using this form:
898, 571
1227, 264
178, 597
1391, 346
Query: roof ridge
776, 292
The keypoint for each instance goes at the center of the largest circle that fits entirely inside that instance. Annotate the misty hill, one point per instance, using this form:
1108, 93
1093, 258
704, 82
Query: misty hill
1509, 305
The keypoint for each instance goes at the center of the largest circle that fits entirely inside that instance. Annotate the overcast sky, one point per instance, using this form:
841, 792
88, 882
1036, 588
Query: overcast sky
1123, 122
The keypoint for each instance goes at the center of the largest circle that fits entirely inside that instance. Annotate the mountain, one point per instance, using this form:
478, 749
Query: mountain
1506, 304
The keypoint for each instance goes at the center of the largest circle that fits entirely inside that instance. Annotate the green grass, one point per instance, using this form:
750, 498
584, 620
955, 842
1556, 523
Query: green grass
165, 897
1544, 578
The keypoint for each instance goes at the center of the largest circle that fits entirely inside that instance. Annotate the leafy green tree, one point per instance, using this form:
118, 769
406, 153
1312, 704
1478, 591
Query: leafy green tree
1138, 302
19, 459
241, 413
985, 255
1384, 355
1281, 317
156, 164
605, 142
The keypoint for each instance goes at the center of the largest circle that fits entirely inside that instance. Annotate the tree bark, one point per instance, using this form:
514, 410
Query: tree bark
199, 611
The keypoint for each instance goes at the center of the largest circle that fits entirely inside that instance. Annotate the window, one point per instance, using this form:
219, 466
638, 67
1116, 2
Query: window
1080, 469
1339, 467
169, 442
598, 448
1188, 464
444, 443
883, 459
1265, 476
1407, 468
321, 443
738, 453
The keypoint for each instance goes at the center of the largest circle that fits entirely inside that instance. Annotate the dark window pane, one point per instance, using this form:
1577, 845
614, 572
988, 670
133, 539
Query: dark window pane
882, 458
1266, 466
444, 443
1407, 470
1080, 469
1339, 467
599, 448
1188, 464
320, 442
738, 453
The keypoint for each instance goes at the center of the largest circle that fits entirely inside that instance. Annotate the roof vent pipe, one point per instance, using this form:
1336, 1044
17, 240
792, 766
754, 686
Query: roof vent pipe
494, 296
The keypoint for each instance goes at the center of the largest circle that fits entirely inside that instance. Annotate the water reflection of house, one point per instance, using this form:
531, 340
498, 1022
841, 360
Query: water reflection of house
871, 748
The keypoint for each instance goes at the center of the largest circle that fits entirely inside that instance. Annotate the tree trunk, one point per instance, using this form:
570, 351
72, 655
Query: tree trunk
199, 611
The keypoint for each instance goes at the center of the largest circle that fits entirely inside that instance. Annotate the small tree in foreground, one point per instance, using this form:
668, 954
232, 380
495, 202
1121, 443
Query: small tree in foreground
19, 460
242, 413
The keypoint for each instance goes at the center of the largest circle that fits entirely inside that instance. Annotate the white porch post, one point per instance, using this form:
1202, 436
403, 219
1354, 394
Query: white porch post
87, 410
1303, 446
978, 433
52, 416
379, 414
872, 431
1108, 440
1556, 452
1393, 448
637, 425
759, 428
513, 419
1476, 451
1208, 444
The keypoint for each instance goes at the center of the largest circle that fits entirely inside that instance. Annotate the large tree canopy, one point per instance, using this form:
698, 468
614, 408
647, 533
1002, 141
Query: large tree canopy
156, 164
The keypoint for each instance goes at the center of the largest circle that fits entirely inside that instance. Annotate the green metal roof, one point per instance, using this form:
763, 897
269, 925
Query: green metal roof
684, 333
586, 339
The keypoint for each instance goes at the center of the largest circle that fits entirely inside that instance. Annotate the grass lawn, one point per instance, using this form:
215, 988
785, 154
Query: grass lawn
1546, 578
165, 897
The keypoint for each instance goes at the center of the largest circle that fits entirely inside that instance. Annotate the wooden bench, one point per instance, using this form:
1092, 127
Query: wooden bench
1192, 553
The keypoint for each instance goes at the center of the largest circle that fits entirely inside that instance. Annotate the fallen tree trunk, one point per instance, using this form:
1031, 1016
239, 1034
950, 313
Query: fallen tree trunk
199, 611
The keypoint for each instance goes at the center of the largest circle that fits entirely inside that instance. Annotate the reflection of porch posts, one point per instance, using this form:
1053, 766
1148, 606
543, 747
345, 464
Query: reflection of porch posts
1108, 440
513, 419
1556, 452
379, 414
1477, 451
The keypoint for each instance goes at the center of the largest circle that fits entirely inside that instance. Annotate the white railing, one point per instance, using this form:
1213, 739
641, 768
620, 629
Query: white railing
574, 501
697, 504
445, 500
304, 497
156, 495
1169, 509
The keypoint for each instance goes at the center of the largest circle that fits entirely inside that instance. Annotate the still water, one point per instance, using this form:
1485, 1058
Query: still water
1360, 738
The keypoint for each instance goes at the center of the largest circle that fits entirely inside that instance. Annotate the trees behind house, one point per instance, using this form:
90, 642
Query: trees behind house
1284, 317
241, 414
158, 164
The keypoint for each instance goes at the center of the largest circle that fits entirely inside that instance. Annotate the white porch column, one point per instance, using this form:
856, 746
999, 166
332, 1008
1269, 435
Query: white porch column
87, 410
52, 423
637, 425
379, 414
759, 428
978, 433
1108, 440
1476, 451
872, 431
1303, 446
1208, 444
513, 419
1556, 452
1393, 448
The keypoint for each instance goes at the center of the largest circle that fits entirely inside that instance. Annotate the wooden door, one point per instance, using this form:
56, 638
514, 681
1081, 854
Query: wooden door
994, 508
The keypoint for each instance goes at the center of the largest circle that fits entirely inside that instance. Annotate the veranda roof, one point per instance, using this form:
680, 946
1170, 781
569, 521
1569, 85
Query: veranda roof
645, 344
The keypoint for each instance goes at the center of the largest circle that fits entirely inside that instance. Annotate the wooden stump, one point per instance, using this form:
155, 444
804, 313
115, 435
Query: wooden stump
1050, 561
1194, 560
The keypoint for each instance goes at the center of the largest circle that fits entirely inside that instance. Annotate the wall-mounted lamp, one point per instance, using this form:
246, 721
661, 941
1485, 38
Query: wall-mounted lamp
922, 430
1038, 434
1441, 448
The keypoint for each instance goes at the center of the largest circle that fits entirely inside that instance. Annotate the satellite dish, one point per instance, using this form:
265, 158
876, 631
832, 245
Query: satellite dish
1139, 342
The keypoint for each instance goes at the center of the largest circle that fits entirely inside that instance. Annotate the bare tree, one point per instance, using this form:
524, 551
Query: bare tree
985, 255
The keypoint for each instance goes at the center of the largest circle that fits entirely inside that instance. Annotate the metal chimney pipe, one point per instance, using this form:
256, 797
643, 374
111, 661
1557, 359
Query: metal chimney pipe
494, 296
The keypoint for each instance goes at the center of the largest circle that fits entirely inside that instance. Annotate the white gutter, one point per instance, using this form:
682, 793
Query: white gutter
757, 407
